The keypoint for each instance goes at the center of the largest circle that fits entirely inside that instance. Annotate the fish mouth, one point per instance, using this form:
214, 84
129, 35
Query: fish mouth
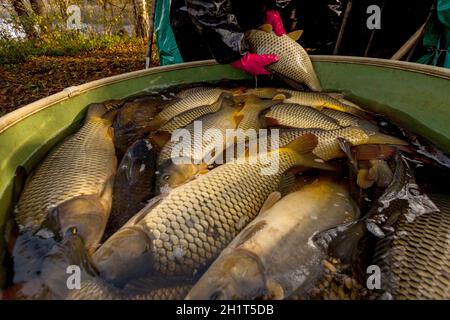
124, 256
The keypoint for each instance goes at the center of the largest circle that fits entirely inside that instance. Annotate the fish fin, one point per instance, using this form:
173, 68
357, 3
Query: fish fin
373, 152
238, 117
303, 147
304, 144
110, 133
270, 201
203, 171
279, 96
380, 138
271, 122
295, 35
266, 28
364, 180
346, 146
336, 95
255, 103
20, 177
160, 138
274, 290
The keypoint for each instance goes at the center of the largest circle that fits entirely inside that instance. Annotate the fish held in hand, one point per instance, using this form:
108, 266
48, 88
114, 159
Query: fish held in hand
294, 65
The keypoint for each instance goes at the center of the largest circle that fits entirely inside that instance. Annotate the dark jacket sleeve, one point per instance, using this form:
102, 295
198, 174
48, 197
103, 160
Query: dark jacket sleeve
218, 27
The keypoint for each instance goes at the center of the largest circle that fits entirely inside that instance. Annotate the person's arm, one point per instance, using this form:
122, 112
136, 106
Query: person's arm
219, 28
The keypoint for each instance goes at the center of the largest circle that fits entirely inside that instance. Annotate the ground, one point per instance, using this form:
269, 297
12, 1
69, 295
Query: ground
42, 76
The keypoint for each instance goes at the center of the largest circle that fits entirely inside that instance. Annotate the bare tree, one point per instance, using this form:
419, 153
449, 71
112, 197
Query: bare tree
24, 18
38, 7
141, 18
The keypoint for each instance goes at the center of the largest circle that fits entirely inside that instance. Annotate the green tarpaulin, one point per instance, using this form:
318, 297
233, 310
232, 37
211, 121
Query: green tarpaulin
165, 41
437, 37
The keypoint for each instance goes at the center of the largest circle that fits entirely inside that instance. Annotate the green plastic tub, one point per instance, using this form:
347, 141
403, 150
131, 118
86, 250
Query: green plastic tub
414, 96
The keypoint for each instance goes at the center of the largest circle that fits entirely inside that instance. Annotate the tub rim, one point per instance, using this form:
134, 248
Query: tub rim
13, 117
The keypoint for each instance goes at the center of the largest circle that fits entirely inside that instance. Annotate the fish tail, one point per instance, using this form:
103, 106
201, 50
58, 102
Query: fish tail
303, 147
380, 138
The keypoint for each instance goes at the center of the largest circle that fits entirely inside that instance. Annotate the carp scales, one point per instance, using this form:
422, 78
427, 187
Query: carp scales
293, 66
172, 174
185, 231
187, 100
249, 115
319, 101
415, 258
162, 135
328, 146
133, 185
74, 182
348, 120
298, 116
222, 120
274, 254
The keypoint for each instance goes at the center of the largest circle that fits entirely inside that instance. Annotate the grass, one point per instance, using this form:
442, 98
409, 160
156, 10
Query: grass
57, 45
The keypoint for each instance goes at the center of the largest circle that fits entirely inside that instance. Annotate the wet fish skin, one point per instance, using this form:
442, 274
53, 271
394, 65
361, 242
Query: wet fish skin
133, 120
96, 289
348, 120
222, 120
273, 255
172, 174
249, 115
134, 184
298, 116
294, 64
415, 258
328, 146
188, 99
188, 228
187, 117
81, 169
320, 101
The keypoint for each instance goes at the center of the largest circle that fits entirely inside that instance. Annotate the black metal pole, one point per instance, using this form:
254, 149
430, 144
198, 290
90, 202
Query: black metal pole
150, 34
348, 9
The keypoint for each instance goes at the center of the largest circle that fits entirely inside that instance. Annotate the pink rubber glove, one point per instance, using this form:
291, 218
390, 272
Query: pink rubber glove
274, 19
255, 64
